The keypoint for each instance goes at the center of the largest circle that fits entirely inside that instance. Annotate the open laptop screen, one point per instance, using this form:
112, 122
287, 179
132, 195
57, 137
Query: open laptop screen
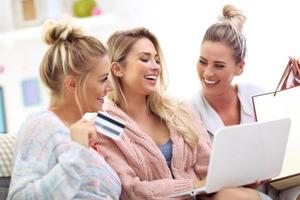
2, 113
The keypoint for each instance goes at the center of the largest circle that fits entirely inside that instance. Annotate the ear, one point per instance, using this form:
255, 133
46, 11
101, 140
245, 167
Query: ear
70, 83
240, 68
117, 69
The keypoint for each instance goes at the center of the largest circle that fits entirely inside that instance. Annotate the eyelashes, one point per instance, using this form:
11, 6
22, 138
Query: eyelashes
216, 65
104, 79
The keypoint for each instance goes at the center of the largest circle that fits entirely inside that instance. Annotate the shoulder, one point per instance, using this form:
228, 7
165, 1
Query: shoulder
196, 99
195, 117
40, 117
40, 126
199, 103
45, 120
112, 108
187, 105
245, 93
38, 133
250, 89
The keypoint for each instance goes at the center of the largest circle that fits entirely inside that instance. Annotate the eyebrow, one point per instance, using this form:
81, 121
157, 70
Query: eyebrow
147, 53
203, 58
218, 62
103, 75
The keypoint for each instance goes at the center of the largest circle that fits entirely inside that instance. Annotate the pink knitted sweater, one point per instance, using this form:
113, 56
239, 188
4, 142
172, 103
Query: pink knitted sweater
142, 167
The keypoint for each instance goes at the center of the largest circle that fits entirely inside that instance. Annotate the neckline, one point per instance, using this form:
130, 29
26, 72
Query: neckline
166, 143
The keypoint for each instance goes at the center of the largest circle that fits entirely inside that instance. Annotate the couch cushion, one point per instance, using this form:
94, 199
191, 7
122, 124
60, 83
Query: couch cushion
7, 145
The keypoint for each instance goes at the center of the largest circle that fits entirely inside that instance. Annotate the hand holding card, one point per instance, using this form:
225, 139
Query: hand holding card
106, 124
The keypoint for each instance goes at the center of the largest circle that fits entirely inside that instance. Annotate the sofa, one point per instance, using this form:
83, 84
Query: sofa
7, 144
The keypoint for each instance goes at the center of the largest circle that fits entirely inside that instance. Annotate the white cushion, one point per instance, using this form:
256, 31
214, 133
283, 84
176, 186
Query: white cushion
7, 146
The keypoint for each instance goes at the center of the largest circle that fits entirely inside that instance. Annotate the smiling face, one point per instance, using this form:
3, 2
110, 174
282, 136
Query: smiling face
140, 73
216, 68
97, 85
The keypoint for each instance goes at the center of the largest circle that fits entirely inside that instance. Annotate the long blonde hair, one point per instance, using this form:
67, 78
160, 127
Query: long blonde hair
169, 110
228, 30
70, 53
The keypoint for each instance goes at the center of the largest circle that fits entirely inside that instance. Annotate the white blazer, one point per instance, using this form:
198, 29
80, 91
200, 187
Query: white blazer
211, 119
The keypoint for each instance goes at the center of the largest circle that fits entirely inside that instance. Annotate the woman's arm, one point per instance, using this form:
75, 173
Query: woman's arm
202, 155
32, 178
49, 166
203, 148
135, 187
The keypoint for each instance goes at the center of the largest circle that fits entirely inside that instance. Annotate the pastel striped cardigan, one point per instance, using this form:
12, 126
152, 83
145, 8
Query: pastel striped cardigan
48, 165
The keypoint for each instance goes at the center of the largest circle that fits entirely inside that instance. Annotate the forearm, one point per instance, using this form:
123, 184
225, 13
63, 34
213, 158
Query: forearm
31, 179
158, 189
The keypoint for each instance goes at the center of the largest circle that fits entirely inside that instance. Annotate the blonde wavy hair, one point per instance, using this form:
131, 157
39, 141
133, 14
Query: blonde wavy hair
70, 52
228, 29
169, 110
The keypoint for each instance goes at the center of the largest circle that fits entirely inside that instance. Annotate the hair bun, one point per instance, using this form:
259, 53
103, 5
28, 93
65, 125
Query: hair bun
233, 16
55, 32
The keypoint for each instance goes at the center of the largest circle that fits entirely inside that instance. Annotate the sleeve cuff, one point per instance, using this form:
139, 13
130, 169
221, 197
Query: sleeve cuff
183, 185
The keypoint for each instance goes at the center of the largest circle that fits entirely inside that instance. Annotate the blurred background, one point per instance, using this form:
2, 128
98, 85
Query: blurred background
272, 32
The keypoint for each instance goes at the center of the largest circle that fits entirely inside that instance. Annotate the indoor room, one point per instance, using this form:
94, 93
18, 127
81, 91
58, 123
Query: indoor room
271, 31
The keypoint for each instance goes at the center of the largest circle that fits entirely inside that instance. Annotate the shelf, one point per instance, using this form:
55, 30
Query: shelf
36, 31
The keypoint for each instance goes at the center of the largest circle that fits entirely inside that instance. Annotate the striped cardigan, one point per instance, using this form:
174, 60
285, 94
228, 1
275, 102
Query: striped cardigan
48, 165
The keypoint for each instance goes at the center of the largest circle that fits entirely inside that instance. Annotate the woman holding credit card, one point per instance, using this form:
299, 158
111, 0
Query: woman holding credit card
54, 159
164, 149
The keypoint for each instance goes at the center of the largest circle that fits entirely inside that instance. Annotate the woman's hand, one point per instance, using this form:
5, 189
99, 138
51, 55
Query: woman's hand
257, 183
84, 132
199, 183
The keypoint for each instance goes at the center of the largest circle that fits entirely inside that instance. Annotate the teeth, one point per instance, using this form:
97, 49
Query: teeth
209, 82
151, 77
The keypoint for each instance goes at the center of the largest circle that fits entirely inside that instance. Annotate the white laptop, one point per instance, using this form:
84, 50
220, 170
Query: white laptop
243, 154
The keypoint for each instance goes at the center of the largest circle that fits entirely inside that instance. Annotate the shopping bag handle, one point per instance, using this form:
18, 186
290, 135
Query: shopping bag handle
292, 67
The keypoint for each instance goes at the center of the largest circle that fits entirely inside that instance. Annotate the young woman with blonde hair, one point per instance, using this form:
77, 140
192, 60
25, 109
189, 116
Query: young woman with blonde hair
164, 149
53, 157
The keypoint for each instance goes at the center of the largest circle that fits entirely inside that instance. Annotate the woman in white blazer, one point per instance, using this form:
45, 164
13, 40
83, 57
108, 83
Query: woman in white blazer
220, 102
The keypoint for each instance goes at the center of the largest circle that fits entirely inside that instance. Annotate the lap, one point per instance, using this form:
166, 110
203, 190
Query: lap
236, 193
287, 194
290, 194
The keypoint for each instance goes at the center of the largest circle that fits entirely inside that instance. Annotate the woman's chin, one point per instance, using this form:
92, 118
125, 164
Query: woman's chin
98, 107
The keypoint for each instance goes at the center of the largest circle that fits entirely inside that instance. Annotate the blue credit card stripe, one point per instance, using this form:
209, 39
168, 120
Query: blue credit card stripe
107, 128
111, 120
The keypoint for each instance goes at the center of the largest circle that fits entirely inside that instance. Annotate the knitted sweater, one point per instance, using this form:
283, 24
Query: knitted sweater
48, 165
141, 166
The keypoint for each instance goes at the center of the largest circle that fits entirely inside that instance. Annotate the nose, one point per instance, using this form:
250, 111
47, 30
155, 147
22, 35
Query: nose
154, 65
208, 72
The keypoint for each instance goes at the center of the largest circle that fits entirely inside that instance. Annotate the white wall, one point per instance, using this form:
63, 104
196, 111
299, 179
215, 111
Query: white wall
271, 30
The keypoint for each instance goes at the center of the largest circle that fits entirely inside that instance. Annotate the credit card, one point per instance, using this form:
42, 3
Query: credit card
109, 125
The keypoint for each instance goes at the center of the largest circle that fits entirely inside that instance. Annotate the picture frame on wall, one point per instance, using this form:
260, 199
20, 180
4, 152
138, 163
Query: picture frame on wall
28, 12
31, 92
3, 127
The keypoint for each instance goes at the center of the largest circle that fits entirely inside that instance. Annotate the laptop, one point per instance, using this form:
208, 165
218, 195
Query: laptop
242, 154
